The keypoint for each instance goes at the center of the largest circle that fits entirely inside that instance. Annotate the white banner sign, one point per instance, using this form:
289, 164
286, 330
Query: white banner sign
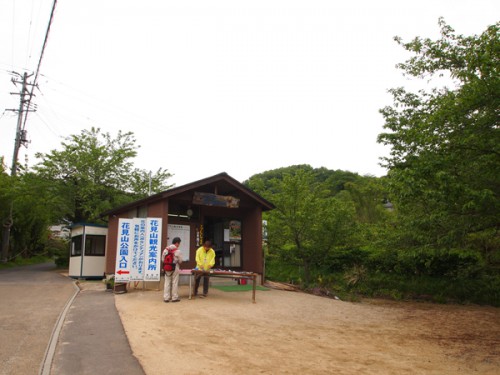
152, 260
138, 255
138, 250
123, 250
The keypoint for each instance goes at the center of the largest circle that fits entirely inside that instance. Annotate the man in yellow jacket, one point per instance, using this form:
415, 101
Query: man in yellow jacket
205, 260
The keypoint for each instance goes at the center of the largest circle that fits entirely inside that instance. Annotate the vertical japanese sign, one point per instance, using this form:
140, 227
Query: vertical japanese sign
142, 245
138, 250
125, 241
138, 255
152, 260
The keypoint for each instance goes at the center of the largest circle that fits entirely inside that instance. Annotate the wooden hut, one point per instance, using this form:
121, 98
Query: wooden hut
218, 208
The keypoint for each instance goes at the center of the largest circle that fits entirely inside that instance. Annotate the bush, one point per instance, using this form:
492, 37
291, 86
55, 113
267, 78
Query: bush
59, 249
279, 271
447, 263
435, 276
455, 264
484, 290
345, 258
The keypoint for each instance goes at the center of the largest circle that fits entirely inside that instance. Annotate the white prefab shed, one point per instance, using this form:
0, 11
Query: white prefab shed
88, 251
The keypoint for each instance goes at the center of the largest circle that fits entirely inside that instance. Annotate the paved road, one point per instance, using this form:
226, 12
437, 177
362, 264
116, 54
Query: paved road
92, 340
31, 300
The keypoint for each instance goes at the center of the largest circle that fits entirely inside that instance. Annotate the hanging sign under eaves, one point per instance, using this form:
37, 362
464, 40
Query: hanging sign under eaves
208, 199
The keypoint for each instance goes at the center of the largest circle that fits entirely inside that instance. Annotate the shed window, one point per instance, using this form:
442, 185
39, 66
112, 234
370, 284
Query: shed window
95, 245
76, 246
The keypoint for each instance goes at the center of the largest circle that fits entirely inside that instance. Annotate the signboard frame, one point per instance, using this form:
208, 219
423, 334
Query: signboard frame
138, 251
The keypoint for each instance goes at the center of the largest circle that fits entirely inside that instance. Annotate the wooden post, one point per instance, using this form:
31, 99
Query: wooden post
254, 277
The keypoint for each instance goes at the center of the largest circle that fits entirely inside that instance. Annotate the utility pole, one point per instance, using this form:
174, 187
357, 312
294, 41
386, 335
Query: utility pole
21, 139
21, 133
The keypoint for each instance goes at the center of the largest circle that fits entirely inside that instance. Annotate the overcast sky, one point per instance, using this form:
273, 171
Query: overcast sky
219, 86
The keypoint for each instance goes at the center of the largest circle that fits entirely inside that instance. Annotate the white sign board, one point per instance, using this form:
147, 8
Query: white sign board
138, 254
123, 250
138, 250
152, 260
183, 232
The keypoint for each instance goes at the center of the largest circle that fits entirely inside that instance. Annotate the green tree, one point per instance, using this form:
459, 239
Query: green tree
33, 207
444, 165
307, 223
34, 210
5, 209
370, 198
369, 194
94, 172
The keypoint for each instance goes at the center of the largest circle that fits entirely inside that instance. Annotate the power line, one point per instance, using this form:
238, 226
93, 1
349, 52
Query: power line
45, 40
13, 30
28, 54
37, 72
47, 124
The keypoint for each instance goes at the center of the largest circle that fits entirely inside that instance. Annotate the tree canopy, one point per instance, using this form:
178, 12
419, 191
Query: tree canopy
444, 165
94, 172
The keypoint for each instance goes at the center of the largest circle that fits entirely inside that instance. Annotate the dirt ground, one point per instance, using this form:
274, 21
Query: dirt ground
297, 333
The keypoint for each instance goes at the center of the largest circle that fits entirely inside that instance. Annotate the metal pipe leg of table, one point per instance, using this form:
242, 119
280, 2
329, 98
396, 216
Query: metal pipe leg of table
253, 288
190, 288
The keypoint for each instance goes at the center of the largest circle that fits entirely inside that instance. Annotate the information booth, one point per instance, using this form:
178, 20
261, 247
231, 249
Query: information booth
218, 208
87, 251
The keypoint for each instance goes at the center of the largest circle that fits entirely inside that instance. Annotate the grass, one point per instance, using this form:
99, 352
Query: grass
238, 288
18, 261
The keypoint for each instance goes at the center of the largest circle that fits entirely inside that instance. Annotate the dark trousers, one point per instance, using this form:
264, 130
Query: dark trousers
197, 284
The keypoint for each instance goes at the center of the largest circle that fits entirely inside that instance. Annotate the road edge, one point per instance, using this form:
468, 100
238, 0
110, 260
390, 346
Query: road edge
46, 365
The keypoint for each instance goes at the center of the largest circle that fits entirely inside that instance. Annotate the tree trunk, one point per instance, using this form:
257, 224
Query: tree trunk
5, 242
307, 273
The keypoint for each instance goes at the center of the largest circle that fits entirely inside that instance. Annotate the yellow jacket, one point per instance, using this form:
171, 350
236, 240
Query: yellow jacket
205, 259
